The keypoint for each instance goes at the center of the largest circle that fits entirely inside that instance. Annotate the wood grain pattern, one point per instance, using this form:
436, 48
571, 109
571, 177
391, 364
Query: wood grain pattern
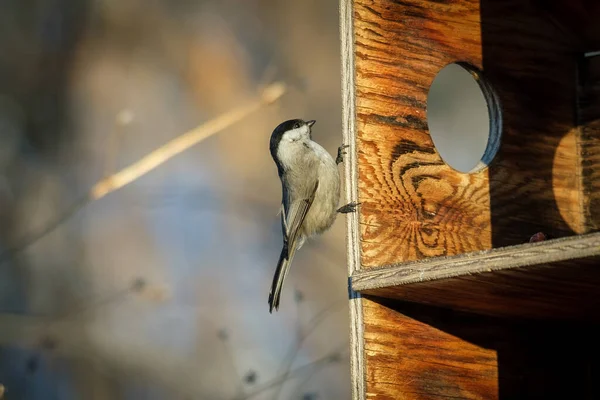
421, 352
408, 359
410, 198
414, 206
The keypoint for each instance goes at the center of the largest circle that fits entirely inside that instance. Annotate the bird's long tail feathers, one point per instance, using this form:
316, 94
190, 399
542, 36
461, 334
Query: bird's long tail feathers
283, 266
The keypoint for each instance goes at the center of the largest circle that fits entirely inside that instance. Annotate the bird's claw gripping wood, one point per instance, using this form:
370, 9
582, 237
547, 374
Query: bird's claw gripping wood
348, 208
341, 152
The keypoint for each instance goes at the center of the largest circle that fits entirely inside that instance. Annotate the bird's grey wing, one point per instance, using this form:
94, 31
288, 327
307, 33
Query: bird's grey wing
296, 214
292, 221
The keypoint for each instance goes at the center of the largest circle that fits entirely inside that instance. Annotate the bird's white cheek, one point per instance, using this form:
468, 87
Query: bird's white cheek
292, 135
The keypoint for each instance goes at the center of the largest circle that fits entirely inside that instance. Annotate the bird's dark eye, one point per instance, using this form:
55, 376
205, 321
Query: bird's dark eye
296, 125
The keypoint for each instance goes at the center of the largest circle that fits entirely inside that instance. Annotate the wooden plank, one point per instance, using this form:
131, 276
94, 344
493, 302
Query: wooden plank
409, 359
589, 143
559, 291
421, 352
534, 183
357, 368
577, 18
555, 250
414, 206
555, 279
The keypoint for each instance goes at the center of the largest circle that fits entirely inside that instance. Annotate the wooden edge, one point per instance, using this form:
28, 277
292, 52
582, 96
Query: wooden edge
477, 262
357, 367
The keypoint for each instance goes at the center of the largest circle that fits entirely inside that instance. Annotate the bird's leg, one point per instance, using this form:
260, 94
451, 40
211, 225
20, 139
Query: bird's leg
348, 208
341, 152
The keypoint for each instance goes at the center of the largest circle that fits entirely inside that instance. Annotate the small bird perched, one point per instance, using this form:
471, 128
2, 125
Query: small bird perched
310, 184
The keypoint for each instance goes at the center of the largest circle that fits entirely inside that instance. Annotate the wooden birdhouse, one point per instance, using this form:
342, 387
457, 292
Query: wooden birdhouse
482, 284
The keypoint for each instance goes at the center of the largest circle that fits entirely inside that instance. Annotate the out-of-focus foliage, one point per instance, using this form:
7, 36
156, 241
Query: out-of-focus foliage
159, 290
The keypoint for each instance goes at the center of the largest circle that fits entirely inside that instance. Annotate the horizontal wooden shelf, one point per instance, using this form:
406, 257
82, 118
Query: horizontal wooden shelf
557, 279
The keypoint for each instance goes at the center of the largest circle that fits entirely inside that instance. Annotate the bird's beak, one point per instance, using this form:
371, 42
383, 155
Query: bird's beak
310, 123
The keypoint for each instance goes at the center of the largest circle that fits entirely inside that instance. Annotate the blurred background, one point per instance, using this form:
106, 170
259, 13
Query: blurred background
159, 290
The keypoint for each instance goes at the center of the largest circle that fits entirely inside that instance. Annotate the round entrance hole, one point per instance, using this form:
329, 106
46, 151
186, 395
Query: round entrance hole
464, 118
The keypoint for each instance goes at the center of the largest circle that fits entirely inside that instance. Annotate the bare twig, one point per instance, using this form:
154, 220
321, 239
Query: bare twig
134, 357
129, 174
31, 238
308, 368
110, 355
152, 160
123, 119
293, 352
268, 75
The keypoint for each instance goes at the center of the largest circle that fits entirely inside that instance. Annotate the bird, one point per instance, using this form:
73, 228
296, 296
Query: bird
310, 184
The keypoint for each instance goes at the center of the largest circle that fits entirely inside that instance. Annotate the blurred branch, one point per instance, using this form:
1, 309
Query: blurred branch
124, 118
30, 330
268, 75
313, 324
132, 357
112, 356
301, 385
127, 175
329, 359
